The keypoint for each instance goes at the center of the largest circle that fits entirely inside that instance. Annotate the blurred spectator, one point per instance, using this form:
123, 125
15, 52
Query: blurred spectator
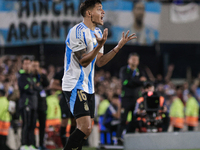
145, 34
105, 85
132, 79
112, 115
51, 72
55, 85
4, 119
53, 121
7, 64
179, 92
192, 112
43, 83
103, 105
12, 90
185, 91
12, 93
193, 88
176, 113
27, 105
167, 78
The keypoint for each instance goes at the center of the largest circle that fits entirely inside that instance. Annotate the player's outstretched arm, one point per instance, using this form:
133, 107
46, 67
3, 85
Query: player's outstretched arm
86, 59
104, 59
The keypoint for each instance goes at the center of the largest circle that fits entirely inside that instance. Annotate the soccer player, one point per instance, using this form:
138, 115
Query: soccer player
84, 48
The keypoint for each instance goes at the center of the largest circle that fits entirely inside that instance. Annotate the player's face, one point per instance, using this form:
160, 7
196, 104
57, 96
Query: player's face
133, 61
97, 14
139, 11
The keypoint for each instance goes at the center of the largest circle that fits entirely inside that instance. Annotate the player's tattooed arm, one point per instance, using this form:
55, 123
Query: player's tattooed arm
79, 54
86, 58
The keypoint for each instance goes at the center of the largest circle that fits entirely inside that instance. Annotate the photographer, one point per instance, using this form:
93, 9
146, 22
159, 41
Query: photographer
147, 118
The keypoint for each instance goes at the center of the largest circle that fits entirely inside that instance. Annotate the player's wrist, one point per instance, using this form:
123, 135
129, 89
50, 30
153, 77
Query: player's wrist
100, 45
116, 49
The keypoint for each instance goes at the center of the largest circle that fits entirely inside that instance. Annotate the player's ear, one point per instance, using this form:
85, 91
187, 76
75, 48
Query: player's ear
88, 13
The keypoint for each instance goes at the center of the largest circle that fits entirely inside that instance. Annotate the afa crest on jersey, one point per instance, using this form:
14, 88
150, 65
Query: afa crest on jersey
94, 41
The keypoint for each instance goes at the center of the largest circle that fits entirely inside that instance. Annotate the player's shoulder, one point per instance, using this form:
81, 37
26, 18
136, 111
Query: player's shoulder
78, 29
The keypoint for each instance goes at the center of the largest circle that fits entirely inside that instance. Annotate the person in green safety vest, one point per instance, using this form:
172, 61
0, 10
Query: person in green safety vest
4, 120
103, 105
176, 113
53, 108
192, 112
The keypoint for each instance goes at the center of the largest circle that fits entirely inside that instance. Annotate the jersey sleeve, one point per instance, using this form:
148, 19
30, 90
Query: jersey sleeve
100, 35
77, 40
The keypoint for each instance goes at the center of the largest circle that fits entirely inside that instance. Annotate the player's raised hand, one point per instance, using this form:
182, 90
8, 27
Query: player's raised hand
101, 41
126, 38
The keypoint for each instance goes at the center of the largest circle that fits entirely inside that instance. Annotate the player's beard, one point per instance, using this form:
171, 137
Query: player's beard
94, 21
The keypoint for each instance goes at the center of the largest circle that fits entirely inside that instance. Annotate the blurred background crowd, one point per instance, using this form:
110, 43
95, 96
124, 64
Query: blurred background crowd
32, 48
106, 87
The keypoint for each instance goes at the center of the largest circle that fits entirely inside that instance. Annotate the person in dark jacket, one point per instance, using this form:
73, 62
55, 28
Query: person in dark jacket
28, 103
132, 80
42, 82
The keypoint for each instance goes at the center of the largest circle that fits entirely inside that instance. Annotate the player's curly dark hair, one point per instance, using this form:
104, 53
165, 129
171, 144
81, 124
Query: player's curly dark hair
88, 4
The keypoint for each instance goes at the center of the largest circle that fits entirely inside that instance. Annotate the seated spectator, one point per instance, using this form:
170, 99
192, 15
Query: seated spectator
112, 115
192, 112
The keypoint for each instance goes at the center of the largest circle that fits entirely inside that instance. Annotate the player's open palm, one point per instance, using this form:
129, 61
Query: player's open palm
126, 38
101, 41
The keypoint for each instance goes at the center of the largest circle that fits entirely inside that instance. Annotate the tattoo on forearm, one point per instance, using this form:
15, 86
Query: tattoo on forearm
80, 53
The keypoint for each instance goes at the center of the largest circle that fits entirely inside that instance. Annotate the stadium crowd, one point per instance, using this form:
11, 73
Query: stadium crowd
181, 102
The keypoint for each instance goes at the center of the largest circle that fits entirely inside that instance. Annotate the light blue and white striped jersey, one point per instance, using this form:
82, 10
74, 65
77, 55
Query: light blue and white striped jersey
76, 76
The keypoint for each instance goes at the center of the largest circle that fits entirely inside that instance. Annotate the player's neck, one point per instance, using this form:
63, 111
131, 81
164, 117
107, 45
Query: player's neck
89, 24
